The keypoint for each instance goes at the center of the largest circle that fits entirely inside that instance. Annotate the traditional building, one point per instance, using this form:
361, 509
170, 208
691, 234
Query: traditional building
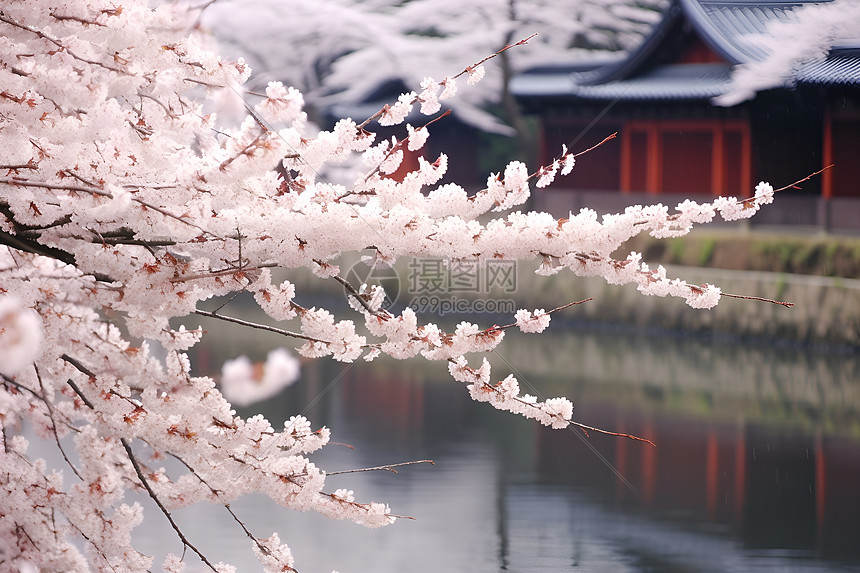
673, 138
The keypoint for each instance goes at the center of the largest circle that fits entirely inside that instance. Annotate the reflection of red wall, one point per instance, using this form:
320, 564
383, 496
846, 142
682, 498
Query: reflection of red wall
637, 464
837, 476
692, 468
695, 470
679, 473
748, 476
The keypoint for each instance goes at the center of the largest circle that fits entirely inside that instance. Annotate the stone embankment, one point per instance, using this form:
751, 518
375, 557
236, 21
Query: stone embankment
826, 310
819, 274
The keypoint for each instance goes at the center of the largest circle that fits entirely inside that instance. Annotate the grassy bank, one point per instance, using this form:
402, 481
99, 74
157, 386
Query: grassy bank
815, 255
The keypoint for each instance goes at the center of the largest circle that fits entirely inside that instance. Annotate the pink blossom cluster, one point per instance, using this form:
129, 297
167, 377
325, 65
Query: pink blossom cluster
125, 203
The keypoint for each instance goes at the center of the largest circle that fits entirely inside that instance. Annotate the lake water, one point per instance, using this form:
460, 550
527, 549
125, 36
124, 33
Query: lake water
757, 464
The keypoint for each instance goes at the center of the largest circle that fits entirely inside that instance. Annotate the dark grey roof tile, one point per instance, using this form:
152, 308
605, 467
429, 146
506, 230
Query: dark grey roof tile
730, 27
834, 70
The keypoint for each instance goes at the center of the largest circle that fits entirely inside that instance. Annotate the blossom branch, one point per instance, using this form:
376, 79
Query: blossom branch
54, 423
145, 483
796, 183
758, 298
468, 70
585, 429
100, 192
265, 550
60, 45
73, 208
548, 312
507, 47
259, 326
386, 467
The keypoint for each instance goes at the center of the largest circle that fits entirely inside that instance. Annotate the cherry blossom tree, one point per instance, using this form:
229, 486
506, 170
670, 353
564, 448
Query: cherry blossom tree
124, 204
345, 50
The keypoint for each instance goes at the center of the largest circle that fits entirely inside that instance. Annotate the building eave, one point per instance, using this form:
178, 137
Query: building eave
728, 27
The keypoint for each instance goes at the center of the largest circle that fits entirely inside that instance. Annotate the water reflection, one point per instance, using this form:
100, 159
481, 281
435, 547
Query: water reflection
757, 464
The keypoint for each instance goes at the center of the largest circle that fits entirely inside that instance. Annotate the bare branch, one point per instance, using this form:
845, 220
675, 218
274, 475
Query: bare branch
584, 428
387, 467
745, 297
259, 326
160, 505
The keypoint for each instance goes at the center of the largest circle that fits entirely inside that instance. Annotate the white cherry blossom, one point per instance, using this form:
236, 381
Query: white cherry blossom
126, 204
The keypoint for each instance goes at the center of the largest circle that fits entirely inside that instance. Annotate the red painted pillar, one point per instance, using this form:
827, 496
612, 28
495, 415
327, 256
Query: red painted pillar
649, 465
827, 156
740, 474
711, 474
820, 485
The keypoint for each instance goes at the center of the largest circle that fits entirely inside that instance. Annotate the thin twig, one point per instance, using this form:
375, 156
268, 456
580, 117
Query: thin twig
792, 185
55, 186
491, 56
83, 370
222, 272
466, 70
47, 402
355, 294
397, 147
593, 147
259, 326
100, 192
562, 307
226, 506
163, 509
807, 178
387, 467
541, 170
745, 297
618, 434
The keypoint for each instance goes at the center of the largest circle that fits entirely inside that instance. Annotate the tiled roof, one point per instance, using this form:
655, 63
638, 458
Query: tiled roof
732, 26
841, 67
678, 82
674, 82
729, 27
